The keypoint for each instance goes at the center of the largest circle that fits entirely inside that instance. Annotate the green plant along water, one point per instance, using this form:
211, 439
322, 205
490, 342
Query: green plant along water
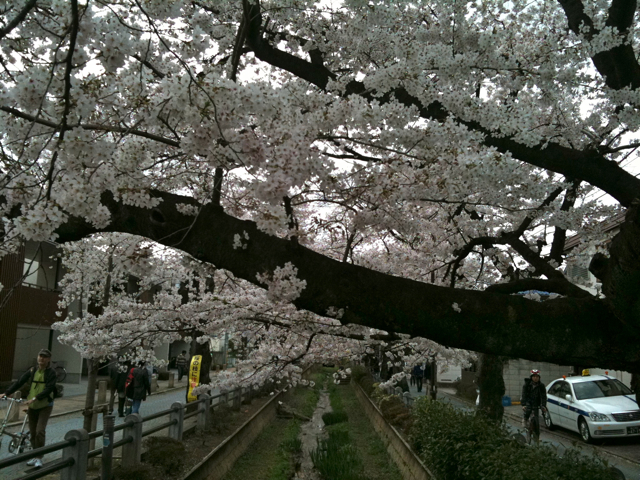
264, 462
458, 445
336, 458
353, 450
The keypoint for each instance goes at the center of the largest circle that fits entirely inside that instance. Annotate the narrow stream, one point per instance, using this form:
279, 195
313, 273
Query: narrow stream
310, 432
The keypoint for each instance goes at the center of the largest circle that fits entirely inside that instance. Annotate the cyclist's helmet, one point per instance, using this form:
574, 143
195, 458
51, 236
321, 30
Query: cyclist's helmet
535, 371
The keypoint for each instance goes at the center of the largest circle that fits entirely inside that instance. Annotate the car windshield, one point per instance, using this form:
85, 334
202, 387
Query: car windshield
600, 388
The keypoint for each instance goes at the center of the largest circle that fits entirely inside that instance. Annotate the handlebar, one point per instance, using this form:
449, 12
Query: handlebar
17, 400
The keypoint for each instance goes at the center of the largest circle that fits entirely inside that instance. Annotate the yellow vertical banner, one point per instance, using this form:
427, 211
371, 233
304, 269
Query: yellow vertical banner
194, 376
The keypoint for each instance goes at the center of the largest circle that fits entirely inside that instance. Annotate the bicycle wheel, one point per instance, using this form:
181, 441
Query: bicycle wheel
14, 444
535, 427
529, 427
61, 374
25, 444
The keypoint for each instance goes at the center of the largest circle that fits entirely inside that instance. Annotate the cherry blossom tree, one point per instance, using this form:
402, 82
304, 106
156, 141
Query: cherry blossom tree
402, 166
157, 297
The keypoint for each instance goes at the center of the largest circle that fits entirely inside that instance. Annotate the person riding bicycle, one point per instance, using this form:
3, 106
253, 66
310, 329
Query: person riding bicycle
534, 395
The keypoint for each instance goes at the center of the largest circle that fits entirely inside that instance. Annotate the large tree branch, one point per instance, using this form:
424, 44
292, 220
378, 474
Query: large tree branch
618, 66
73, 34
18, 18
560, 234
487, 322
90, 126
588, 165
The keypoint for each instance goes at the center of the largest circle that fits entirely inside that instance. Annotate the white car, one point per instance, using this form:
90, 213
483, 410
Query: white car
595, 406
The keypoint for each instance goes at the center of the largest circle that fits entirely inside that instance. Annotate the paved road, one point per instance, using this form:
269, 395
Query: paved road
613, 450
58, 427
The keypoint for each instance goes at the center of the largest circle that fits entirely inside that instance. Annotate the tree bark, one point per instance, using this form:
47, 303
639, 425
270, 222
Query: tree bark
92, 376
491, 384
575, 330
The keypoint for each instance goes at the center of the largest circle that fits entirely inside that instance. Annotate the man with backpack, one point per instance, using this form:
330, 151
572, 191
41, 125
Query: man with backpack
39, 400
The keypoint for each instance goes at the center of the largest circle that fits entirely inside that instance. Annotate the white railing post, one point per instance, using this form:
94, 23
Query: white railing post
204, 412
177, 413
237, 398
132, 452
78, 452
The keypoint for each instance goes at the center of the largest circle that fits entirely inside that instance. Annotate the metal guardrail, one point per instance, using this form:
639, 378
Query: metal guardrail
75, 447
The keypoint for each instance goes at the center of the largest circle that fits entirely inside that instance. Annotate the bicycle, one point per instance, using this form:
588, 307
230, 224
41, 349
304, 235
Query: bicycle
61, 373
20, 440
533, 425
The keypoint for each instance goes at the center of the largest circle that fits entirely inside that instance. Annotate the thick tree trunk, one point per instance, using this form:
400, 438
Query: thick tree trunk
204, 350
581, 331
620, 273
92, 376
635, 385
492, 387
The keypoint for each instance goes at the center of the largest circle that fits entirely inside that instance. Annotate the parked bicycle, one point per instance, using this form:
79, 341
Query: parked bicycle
19, 442
61, 373
533, 425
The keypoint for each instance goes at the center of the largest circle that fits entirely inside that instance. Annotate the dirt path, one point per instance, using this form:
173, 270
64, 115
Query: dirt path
310, 432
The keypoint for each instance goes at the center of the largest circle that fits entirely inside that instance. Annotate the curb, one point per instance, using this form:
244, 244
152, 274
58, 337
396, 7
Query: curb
79, 410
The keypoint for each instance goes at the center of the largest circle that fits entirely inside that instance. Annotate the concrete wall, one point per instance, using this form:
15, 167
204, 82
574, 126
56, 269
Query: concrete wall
30, 339
410, 466
624, 377
68, 357
515, 371
221, 460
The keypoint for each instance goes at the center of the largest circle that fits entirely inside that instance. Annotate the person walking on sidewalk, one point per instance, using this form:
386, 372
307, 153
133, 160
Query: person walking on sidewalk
118, 373
181, 363
139, 387
39, 400
417, 374
534, 395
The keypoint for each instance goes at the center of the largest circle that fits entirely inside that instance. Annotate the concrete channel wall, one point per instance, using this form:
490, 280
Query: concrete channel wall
221, 459
410, 466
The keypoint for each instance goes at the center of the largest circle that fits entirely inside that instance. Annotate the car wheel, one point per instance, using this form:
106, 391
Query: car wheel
616, 473
548, 422
584, 431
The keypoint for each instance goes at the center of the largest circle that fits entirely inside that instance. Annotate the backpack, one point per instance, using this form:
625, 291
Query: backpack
58, 390
128, 385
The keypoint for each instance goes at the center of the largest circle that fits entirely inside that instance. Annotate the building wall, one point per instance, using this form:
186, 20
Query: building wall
624, 377
30, 339
10, 274
26, 310
68, 357
23, 305
516, 370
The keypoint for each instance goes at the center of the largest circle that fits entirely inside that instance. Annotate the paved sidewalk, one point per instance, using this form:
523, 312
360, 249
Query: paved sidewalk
514, 412
74, 397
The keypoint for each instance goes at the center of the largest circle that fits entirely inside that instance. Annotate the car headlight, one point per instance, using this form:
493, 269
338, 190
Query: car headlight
599, 417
